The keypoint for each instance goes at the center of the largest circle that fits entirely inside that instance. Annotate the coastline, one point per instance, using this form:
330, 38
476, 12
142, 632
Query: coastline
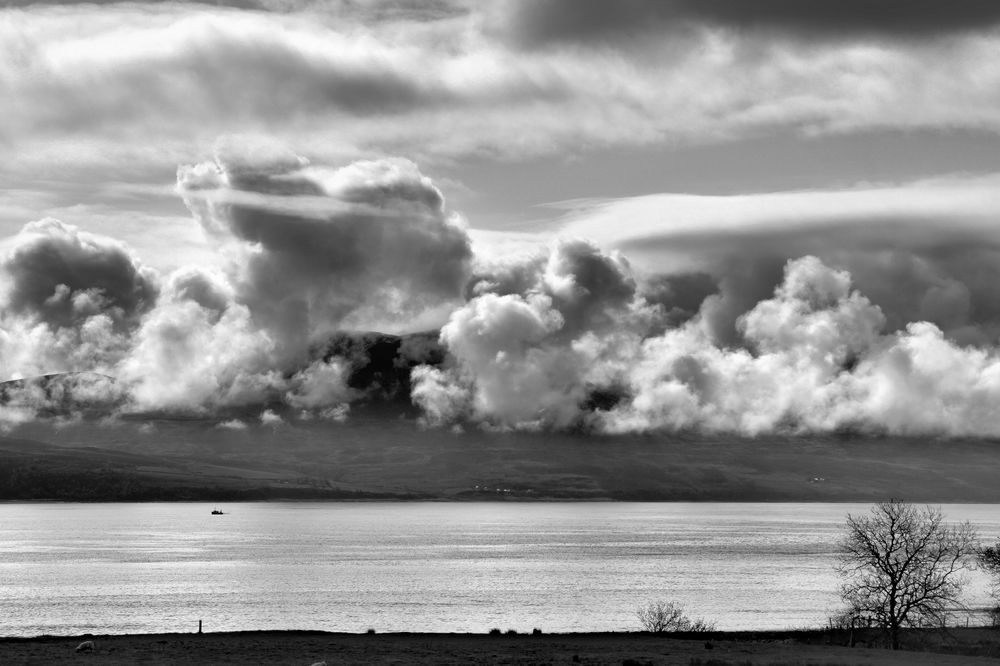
923, 647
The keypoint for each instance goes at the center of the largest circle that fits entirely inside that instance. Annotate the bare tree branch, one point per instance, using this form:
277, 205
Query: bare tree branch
903, 566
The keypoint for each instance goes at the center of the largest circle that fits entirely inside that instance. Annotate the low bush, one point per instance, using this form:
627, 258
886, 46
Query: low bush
666, 616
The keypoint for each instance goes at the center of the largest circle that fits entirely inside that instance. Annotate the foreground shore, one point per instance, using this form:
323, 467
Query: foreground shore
959, 646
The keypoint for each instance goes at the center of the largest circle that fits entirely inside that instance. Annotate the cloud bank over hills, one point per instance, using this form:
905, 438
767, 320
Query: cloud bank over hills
568, 336
849, 305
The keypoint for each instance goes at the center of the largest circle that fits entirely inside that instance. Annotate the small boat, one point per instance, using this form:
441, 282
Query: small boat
217, 512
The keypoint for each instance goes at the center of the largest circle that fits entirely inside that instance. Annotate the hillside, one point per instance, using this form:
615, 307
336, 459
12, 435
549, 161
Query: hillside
381, 452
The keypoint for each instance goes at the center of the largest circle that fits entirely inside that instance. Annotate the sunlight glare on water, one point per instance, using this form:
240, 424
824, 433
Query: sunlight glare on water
440, 567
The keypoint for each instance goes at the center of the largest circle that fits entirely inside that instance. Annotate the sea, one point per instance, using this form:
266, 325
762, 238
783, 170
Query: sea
69, 569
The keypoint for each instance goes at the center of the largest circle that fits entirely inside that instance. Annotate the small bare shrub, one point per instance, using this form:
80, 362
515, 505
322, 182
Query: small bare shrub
666, 616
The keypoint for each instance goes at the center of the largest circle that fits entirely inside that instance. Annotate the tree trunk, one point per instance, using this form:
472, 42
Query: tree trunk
893, 618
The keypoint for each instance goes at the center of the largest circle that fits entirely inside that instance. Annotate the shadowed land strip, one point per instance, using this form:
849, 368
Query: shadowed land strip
378, 455
959, 646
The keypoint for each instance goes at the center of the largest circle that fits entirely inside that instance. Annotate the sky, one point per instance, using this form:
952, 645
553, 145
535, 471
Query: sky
642, 216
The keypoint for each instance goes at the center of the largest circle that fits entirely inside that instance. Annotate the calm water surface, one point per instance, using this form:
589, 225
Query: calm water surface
158, 567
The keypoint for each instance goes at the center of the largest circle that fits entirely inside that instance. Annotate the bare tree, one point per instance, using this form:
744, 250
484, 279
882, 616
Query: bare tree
662, 616
903, 566
989, 561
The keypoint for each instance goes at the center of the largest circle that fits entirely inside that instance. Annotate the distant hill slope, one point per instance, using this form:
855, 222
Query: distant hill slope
89, 393
391, 456
33, 470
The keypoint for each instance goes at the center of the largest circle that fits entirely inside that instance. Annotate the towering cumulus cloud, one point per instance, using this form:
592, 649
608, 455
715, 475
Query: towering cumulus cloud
536, 338
318, 248
815, 357
70, 303
310, 251
59, 275
70, 300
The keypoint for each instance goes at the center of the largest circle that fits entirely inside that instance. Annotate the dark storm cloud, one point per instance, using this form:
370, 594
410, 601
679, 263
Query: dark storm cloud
913, 269
680, 295
329, 242
63, 275
540, 21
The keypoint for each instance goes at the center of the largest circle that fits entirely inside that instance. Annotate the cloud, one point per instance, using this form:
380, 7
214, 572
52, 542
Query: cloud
60, 276
62, 397
319, 249
869, 310
815, 356
309, 251
282, 68
321, 386
271, 418
922, 251
70, 301
312, 251
188, 358
532, 340
372, 10
87, 86
539, 22
819, 361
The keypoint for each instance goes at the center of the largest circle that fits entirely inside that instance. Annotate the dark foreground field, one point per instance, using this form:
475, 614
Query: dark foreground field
961, 646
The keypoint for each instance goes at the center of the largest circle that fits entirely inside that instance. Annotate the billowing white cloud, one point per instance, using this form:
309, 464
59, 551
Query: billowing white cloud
534, 338
754, 334
817, 356
310, 251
